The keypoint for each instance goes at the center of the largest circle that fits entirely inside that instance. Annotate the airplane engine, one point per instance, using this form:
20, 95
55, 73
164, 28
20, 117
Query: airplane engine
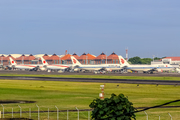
109, 70
35, 69
76, 69
43, 68
160, 70
8, 68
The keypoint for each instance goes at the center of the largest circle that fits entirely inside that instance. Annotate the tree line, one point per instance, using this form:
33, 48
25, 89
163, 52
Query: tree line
138, 60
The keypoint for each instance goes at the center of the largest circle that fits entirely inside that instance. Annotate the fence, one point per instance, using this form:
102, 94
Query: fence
55, 113
43, 113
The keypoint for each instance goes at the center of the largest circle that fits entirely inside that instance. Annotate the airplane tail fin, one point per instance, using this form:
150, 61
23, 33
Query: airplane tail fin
44, 62
123, 61
12, 61
75, 61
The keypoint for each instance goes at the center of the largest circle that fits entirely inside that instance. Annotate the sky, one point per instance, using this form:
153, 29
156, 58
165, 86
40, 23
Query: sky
145, 27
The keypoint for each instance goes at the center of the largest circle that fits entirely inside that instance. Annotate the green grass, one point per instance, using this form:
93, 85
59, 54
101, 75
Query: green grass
99, 76
67, 95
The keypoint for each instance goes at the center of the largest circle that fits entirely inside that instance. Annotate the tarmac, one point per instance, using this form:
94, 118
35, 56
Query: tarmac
88, 73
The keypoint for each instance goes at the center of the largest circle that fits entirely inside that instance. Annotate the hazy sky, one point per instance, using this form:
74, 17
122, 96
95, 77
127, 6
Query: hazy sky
146, 27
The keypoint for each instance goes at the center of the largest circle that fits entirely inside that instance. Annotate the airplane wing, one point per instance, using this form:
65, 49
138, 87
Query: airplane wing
35, 68
71, 68
123, 69
154, 69
151, 70
8, 67
102, 69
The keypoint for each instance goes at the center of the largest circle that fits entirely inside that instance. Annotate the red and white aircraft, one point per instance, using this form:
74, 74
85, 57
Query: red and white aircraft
98, 67
145, 68
54, 67
22, 66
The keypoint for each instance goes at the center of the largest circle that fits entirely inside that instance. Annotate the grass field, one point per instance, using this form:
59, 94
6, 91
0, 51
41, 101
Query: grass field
67, 95
100, 76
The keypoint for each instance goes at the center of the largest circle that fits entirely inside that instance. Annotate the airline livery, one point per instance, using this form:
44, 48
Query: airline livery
54, 67
102, 67
22, 66
145, 68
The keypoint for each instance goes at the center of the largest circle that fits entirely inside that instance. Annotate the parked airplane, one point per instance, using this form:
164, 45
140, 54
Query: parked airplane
102, 67
22, 66
177, 70
145, 68
55, 66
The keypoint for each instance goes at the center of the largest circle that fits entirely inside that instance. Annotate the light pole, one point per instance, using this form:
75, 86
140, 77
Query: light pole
59, 59
102, 62
86, 60
153, 57
38, 60
106, 58
22, 59
2, 60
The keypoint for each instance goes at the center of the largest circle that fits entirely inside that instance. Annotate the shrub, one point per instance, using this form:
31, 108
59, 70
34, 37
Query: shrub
114, 108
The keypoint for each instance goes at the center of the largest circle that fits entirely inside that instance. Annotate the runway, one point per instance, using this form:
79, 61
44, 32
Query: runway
129, 81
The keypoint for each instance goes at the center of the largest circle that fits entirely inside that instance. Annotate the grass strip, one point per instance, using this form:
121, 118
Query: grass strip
99, 77
66, 95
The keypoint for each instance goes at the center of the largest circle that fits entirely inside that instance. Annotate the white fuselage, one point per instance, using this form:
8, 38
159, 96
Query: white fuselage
108, 67
163, 67
24, 66
57, 67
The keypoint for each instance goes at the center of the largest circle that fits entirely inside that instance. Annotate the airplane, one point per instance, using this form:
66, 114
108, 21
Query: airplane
55, 67
145, 68
101, 68
22, 66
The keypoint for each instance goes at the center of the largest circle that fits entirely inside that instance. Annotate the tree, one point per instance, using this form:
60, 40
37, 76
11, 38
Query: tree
156, 58
114, 108
146, 60
135, 60
138, 60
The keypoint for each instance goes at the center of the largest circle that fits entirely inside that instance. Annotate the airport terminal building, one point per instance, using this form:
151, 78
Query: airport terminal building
83, 59
171, 60
60, 59
174, 61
